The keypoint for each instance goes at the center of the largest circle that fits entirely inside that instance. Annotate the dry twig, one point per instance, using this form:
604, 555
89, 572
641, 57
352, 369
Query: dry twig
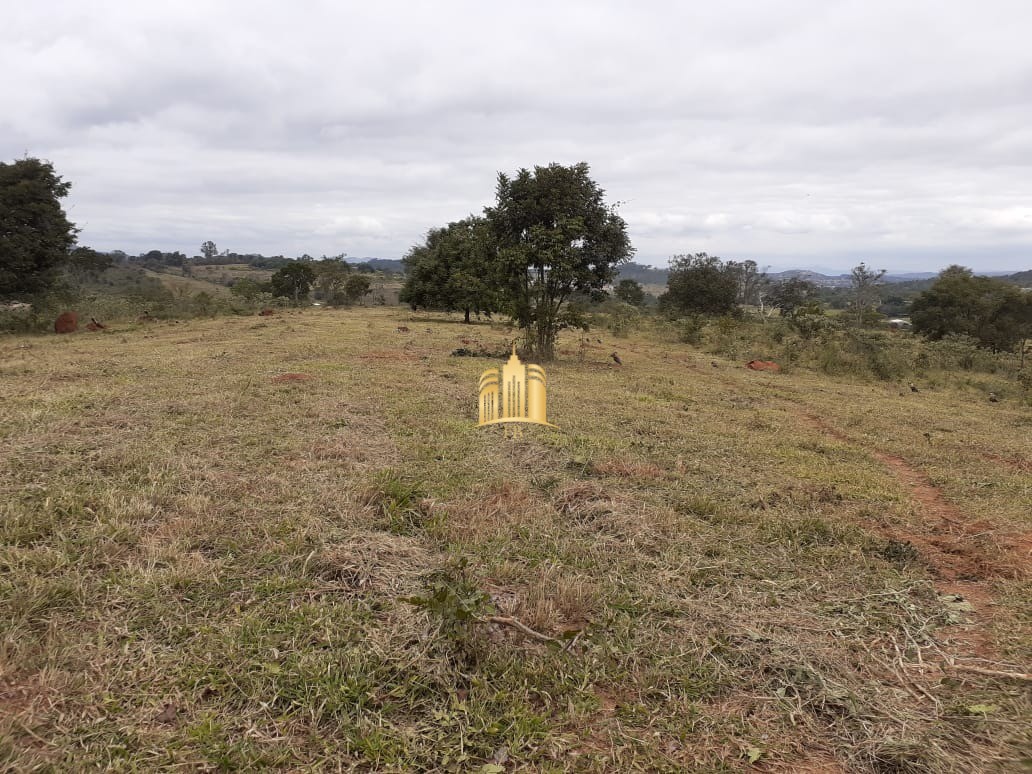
515, 624
993, 672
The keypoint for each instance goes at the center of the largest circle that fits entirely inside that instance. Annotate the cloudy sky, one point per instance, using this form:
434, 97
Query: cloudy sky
797, 133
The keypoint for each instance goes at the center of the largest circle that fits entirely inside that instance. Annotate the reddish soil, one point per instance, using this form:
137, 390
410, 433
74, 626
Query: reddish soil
291, 378
945, 537
627, 469
1022, 465
946, 540
67, 322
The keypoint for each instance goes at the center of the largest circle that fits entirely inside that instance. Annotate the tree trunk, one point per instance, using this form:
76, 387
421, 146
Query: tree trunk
467, 316
545, 346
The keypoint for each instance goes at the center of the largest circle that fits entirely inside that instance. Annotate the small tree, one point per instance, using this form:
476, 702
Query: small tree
356, 287
293, 281
247, 289
209, 251
35, 235
700, 284
630, 292
330, 276
203, 303
751, 282
866, 284
791, 294
556, 237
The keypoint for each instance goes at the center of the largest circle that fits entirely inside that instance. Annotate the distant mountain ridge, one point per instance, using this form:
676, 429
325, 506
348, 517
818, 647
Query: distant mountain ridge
654, 276
1022, 278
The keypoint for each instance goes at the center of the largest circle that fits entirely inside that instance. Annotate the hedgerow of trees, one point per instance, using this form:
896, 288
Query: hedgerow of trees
997, 314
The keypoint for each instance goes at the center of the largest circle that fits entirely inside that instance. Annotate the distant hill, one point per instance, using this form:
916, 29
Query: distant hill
1023, 278
386, 265
642, 274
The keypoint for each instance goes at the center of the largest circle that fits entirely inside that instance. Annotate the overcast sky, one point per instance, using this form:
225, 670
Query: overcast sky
800, 134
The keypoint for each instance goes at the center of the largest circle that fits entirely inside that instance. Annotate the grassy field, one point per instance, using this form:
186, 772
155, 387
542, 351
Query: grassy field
248, 543
224, 274
180, 285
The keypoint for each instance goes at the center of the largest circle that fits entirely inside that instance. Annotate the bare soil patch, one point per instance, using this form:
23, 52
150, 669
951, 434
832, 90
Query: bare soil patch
946, 537
962, 567
291, 378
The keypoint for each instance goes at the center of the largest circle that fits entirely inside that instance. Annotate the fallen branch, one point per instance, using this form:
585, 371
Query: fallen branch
993, 672
515, 624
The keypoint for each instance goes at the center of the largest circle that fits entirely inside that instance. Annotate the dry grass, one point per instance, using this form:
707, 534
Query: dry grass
183, 529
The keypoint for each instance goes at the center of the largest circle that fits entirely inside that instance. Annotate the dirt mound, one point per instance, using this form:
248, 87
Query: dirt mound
763, 365
66, 322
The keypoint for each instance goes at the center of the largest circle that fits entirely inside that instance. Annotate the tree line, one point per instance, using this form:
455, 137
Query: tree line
39, 251
543, 253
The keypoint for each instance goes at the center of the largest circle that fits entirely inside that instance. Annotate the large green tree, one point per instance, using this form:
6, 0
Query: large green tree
701, 284
556, 237
454, 269
293, 281
996, 313
35, 234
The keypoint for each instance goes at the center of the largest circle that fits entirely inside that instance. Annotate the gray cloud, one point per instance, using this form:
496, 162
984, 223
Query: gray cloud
797, 133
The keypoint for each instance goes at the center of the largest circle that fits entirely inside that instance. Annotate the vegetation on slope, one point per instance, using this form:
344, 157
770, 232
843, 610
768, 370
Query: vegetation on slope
278, 543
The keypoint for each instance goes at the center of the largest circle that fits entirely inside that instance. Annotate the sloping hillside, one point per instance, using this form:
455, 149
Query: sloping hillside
282, 543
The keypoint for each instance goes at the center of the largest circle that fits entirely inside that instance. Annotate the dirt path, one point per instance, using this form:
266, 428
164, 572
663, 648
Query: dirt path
945, 538
946, 541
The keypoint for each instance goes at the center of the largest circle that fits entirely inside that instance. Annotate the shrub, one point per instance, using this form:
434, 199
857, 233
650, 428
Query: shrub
690, 329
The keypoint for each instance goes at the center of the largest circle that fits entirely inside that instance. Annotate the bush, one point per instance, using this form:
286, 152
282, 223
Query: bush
690, 329
956, 351
621, 318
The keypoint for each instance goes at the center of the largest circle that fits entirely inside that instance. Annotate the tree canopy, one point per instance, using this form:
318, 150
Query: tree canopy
454, 269
293, 281
996, 313
630, 292
35, 235
555, 237
701, 284
792, 294
331, 274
